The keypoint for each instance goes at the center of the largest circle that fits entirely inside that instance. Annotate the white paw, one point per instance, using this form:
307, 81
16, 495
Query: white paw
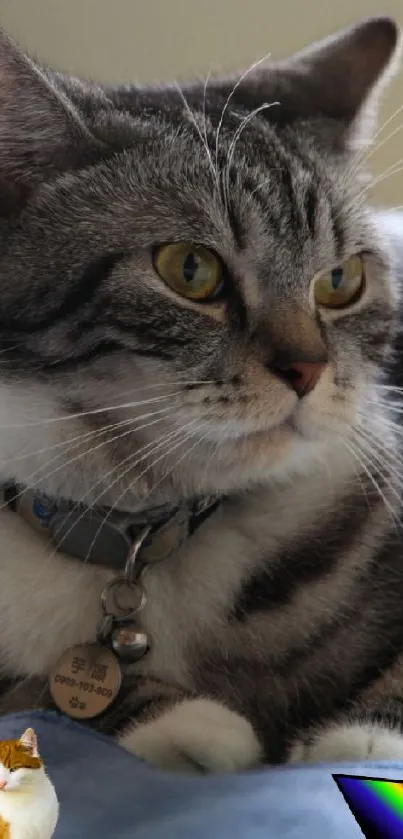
350, 743
198, 736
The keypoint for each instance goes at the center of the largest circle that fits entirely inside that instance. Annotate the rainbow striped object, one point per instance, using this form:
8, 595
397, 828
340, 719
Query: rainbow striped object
376, 804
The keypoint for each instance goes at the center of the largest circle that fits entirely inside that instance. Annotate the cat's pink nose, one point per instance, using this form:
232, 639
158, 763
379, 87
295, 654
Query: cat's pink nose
302, 376
306, 375
3, 784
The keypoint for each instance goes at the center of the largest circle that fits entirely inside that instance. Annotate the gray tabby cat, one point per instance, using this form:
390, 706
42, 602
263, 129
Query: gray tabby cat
196, 301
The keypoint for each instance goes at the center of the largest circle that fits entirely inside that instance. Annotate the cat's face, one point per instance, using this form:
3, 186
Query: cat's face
20, 764
210, 273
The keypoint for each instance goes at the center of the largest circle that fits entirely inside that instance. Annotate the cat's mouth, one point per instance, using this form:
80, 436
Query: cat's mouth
247, 421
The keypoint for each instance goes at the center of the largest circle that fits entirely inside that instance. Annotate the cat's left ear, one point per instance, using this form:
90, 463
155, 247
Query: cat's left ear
29, 741
332, 86
343, 77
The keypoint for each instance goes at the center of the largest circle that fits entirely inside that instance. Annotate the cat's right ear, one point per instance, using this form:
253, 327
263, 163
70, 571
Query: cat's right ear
29, 741
41, 132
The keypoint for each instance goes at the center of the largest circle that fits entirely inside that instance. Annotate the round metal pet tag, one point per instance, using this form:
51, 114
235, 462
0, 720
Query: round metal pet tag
85, 681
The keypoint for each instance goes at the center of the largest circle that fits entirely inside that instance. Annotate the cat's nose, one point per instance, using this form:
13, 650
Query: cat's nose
3, 784
302, 376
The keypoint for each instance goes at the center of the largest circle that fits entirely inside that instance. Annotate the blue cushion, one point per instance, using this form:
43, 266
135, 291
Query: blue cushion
106, 793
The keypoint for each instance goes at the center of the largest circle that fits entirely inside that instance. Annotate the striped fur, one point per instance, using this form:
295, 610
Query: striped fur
281, 616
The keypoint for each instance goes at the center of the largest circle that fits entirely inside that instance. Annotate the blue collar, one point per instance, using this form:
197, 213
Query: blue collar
104, 536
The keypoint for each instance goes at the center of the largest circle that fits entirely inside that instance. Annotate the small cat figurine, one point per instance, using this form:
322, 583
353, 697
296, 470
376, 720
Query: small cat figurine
29, 806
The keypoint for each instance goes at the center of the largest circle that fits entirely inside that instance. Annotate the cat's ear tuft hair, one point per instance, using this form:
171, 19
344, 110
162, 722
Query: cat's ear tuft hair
41, 133
346, 74
29, 741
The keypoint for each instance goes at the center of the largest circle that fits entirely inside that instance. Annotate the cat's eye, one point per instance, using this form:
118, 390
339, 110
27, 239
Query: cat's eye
342, 286
193, 271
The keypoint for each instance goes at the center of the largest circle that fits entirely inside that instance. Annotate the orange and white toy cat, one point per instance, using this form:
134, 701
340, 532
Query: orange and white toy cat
29, 807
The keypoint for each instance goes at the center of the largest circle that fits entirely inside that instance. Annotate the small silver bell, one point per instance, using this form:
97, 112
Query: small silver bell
129, 643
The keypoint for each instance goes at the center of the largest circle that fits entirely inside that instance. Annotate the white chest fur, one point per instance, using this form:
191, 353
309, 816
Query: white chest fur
32, 814
49, 602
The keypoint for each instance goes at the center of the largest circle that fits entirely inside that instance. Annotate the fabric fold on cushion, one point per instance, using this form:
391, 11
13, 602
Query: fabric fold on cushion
105, 792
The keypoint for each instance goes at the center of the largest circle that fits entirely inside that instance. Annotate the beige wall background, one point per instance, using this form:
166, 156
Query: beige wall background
147, 40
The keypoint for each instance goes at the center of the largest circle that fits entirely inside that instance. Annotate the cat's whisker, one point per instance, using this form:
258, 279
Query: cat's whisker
359, 456
385, 411
391, 409
210, 460
13, 347
133, 461
383, 386
145, 451
262, 184
177, 382
206, 83
390, 425
153, 449
373, 150
184, 384
203, 139
87, 435
398, 207
160, 416
242, 78
360, 480
94, 411
389, 454
383, 176
378, 458
386, 422
236, 137
200, 439
133, 429
165, 454
366, 152
378, 451
388, 399
391, 401
30, 484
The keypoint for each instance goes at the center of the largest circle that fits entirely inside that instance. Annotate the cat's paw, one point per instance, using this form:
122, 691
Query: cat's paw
197, 736
350, 743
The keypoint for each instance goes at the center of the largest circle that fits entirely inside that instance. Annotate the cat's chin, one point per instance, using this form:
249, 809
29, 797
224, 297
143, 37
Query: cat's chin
261, 455
278, 442
297, 447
